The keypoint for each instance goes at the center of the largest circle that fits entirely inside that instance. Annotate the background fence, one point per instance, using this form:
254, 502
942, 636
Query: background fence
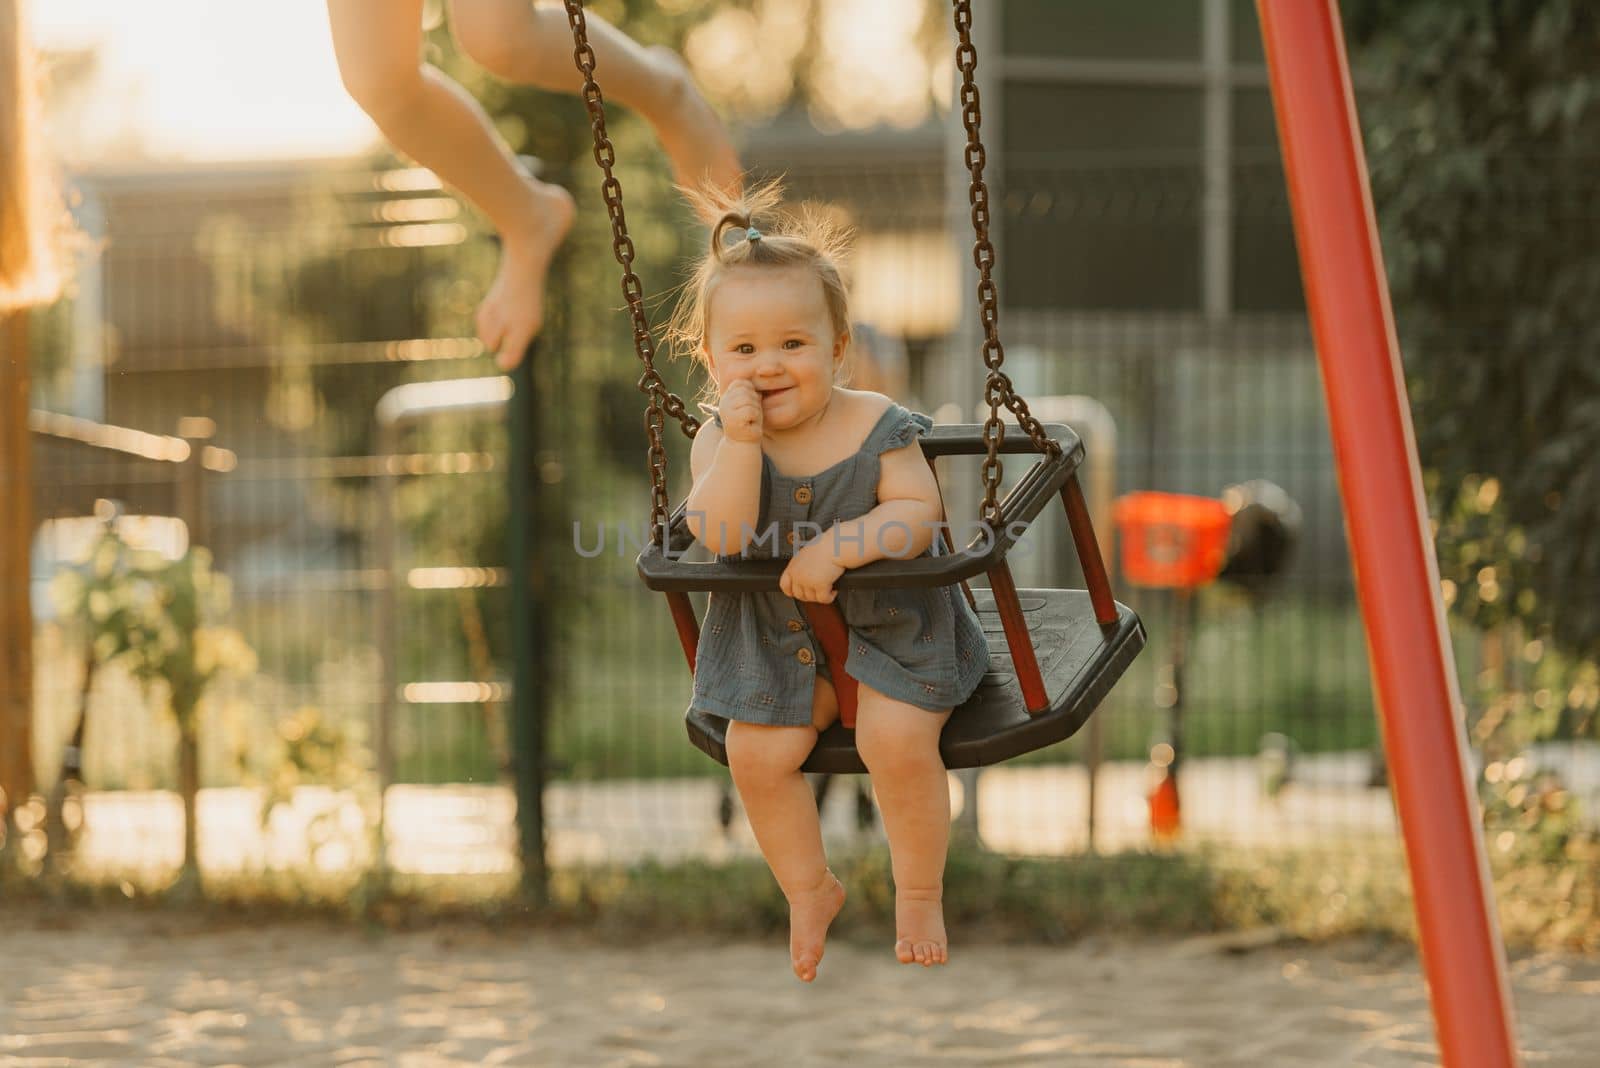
264, 318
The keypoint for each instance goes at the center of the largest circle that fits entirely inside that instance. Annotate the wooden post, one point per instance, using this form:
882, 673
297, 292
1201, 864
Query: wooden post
16, 539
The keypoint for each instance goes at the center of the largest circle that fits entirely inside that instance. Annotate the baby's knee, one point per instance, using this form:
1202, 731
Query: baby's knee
894, 753
761, 754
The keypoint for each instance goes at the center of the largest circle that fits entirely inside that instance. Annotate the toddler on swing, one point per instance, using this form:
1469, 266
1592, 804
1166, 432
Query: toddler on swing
432, 119
793, 452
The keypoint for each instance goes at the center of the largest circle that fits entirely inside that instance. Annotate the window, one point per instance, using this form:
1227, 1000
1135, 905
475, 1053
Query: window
1105, 161
1245, 43
1266, 270
1101, 196
1138, 30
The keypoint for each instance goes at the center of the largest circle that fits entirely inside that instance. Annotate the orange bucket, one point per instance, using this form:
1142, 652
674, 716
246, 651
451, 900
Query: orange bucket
1171, 539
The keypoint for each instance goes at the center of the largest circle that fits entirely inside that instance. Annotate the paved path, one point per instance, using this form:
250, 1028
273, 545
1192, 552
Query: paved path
470, 829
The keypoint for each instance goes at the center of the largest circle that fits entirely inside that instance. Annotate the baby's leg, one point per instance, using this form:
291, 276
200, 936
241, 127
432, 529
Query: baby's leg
433, 120
532, 45
900, 745
765, 762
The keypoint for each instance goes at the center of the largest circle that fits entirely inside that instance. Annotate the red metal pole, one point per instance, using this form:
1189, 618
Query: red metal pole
1397, 576
1094, 568
1018, 639
687, 626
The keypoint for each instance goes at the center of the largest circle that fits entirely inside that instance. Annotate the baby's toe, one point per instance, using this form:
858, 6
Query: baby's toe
904, 952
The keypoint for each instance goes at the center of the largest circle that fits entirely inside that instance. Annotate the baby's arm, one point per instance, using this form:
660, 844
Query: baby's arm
724, 505
903, 524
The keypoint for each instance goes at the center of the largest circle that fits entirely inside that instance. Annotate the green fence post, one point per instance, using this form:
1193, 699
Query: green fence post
530, 633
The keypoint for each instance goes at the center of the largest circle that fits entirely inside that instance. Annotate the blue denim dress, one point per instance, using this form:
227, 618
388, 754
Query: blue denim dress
758, 658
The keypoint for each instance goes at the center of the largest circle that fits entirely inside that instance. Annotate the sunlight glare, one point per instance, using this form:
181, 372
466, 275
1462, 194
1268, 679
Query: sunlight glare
199, 80
872, 65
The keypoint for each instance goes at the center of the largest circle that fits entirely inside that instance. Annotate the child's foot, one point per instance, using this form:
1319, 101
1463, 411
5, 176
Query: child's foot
513, 311
919, 927
810, 913
695, 139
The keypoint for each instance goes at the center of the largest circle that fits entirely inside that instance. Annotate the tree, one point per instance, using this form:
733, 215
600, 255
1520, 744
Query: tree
161, 620
1481, 149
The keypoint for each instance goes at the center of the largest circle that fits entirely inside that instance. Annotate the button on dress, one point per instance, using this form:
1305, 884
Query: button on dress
758, 657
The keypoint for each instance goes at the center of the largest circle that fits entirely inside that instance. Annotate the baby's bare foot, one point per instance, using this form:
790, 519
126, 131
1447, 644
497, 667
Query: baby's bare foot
695, 139
513, 311
810, 913
919, 927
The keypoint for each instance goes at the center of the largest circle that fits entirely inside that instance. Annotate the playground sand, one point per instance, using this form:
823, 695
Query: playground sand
156, 989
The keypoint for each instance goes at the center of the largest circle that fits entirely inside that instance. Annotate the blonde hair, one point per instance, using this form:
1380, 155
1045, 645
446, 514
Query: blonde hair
806, 237
30, 210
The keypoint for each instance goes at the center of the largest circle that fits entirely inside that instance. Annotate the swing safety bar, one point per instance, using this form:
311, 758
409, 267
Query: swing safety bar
665, 570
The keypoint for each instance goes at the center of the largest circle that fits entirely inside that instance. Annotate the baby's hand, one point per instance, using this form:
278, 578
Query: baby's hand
740, 408
811, 574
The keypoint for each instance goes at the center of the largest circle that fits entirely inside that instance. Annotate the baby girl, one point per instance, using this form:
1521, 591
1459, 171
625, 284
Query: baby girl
792, 450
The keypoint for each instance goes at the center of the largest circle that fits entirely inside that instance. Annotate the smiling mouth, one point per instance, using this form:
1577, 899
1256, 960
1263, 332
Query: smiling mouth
773, 392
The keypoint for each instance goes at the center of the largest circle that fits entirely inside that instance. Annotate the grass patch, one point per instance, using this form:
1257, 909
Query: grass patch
988, 897
1312, 896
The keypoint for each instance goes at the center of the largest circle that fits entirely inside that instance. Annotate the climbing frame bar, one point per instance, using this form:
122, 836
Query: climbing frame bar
1397, 576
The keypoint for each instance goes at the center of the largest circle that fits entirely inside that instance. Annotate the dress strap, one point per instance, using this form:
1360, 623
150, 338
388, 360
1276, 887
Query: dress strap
898, 427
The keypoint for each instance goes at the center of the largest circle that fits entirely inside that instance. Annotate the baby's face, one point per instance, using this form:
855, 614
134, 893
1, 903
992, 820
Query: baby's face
771, 325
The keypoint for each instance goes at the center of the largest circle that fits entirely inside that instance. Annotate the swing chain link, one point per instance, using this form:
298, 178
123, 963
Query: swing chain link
663, 402
997, 389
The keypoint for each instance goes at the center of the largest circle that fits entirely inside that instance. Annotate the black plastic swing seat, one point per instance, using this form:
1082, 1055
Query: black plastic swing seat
1078, 659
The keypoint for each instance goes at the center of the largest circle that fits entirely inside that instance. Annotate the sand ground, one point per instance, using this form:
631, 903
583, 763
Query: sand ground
157, 989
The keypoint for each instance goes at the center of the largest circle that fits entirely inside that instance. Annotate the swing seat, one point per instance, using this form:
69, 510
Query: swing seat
1079, 659
1074, 644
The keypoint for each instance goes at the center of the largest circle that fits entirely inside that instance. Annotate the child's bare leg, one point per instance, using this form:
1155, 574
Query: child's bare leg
532, 45
899, 743
434, 121
765, 762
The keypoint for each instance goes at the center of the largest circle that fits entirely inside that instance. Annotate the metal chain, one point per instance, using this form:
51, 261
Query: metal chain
663, 402
997, 389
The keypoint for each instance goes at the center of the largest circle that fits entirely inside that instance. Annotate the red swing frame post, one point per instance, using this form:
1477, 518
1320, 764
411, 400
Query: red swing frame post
1397, 575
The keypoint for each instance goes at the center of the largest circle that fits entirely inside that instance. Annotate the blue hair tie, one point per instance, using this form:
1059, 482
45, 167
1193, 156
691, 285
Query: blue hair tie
752, 235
